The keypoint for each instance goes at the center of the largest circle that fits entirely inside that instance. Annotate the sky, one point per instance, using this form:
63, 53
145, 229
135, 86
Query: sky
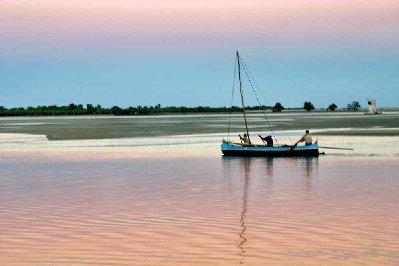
182, 52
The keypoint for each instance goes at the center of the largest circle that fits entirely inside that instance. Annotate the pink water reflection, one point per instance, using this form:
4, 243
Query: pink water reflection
197, 210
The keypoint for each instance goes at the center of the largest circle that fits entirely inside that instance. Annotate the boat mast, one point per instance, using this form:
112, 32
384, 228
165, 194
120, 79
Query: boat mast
242, 95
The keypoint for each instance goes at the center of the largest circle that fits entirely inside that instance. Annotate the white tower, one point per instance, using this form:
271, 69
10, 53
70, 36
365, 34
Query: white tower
372, 107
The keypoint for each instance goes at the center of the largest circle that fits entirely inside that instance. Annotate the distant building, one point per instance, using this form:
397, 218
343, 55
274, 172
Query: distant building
372, 107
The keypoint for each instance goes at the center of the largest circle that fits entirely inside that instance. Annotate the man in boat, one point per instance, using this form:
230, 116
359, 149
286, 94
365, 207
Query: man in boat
307, 138
245, 139
268, 139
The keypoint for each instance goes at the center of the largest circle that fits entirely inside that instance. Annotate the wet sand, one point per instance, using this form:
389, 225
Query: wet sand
327, 123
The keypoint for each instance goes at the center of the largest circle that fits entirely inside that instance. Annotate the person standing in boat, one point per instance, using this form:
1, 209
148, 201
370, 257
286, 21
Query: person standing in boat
244, 139
268, 139
307, 138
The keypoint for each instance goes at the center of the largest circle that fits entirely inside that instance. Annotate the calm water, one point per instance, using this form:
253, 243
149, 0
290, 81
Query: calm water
177, 201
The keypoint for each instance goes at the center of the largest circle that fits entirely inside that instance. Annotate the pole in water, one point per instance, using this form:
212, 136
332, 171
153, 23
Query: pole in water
336, 148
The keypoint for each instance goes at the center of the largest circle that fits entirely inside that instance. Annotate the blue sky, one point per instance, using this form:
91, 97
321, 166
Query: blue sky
350, 54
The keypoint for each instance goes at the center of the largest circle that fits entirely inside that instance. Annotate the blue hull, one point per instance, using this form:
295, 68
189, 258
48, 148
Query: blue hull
263, 151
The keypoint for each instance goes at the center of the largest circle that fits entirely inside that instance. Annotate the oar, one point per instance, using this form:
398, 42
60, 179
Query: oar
336, 148
262, 139
293, 147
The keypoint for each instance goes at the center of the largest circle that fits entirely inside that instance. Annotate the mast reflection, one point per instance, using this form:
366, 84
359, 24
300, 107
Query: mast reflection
236, 168
247, 164
240, 164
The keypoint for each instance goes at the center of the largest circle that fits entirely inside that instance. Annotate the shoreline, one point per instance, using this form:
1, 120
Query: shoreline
361, 111
200, 146
114, 127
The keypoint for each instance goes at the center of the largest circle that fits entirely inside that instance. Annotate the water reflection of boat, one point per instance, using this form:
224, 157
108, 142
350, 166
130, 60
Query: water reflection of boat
309, 169
249, 149
262, 180
243, 239
245, 165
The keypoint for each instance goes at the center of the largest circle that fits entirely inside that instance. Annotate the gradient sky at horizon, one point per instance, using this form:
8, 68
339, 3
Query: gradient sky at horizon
181, 52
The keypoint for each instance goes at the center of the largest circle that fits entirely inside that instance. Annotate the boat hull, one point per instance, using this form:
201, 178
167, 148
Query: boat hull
229, 149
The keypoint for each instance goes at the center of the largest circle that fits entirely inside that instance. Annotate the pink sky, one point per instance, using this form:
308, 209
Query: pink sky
46, 22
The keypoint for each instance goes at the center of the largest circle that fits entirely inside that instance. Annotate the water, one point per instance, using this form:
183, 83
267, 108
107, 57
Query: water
177, 201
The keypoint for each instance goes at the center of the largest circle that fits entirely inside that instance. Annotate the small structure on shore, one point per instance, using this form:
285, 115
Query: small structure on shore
372, 107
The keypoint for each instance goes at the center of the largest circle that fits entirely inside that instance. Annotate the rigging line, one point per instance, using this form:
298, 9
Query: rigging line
257, 98
232, 96
264, 98
256, 85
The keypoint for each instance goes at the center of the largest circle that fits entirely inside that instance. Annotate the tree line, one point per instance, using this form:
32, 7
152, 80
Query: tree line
308, 106
90, 109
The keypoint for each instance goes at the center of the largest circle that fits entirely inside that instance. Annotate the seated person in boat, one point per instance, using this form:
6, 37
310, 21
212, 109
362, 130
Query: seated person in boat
268, 139
307, 138
245, 139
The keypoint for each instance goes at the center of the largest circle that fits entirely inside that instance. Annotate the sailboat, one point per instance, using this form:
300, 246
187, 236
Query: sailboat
249, 149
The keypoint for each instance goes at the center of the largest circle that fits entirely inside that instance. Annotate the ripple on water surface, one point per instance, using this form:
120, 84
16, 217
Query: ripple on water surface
197, 210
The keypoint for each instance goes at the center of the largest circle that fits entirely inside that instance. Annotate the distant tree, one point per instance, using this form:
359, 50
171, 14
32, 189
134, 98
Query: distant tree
20, 111
131, 111
99, 109
183, 109
354, 106
30, 110
332, 107
278, 107
3, 110
71, 109
116, 110
142, 110
78, 109
308, 106
90, 109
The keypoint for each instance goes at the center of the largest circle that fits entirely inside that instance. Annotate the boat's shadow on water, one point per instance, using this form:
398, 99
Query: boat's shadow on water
305, 165
248, 168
